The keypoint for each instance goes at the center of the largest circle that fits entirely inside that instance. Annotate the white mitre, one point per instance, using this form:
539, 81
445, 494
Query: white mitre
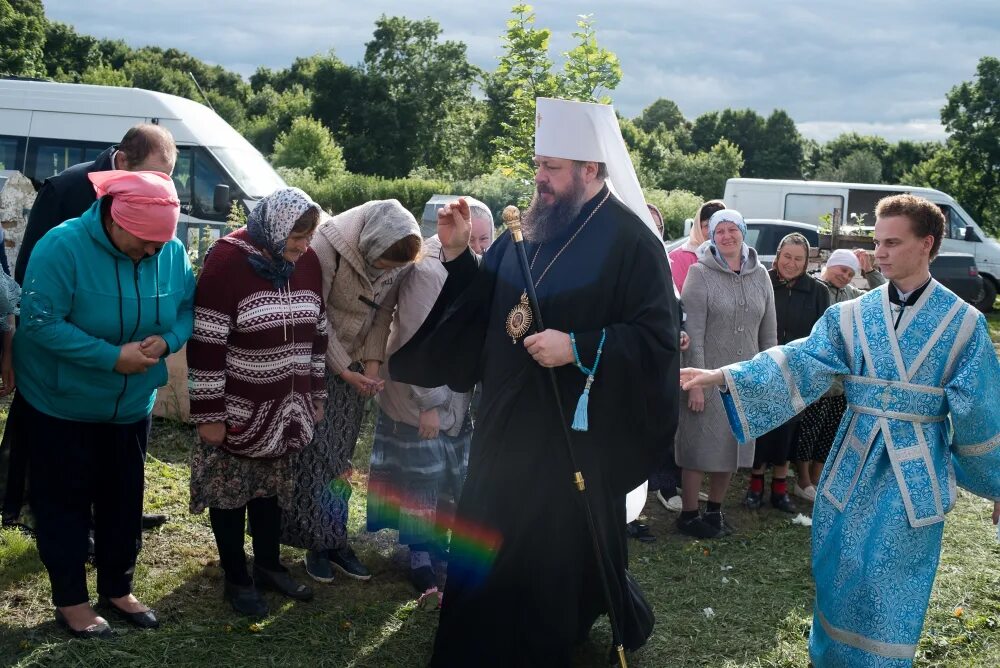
589, 132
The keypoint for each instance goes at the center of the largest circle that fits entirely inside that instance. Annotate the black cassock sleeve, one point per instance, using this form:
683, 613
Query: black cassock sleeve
448, 347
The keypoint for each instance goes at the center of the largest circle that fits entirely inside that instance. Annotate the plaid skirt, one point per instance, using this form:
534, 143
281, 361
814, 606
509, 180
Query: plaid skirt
409, 475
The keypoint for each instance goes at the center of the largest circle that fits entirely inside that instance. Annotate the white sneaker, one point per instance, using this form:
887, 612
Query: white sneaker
809, 493
702, 496
673, 504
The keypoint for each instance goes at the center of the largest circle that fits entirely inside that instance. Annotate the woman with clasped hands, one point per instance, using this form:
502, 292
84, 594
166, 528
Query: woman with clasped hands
107, 296
361, 253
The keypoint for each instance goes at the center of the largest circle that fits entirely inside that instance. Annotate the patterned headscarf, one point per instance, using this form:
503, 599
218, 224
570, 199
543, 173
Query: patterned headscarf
269, 225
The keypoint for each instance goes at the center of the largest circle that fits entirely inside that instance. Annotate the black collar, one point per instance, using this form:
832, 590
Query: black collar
912, 299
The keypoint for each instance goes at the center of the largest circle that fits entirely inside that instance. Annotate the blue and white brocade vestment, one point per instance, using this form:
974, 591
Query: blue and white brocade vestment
922, 417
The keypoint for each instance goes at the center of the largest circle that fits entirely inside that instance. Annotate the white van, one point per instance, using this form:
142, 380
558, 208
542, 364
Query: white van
807, 201
46, 127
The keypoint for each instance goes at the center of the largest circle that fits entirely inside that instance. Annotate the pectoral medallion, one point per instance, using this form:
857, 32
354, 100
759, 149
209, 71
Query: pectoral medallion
519, 319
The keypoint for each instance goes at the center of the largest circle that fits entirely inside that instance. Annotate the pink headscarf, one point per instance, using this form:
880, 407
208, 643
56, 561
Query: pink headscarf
145, 203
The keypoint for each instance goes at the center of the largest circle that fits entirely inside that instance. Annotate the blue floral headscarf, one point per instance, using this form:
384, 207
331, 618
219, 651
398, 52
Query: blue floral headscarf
269, 225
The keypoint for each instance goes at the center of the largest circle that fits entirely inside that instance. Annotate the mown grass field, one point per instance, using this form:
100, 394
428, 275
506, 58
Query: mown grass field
757, 584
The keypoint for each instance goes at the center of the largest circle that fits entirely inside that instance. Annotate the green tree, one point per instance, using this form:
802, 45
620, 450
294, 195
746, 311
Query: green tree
972, 116
662, 113
781, 152
269, 113
861, 166
589, 67
744, 128
308, 144
904, 156
22, 38
425, 82
833, 153
703, 173
524, 73
104, 75
675, 206
68, 54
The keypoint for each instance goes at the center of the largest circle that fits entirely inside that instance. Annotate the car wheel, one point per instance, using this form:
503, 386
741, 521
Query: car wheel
989, 296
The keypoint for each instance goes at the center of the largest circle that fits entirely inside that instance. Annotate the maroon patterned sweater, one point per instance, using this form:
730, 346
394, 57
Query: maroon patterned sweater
256, 358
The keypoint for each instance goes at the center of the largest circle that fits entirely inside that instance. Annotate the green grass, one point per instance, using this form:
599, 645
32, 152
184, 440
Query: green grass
993, 320
757, 582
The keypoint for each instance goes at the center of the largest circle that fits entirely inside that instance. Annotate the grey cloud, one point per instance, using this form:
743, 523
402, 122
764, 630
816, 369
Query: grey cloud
881, 66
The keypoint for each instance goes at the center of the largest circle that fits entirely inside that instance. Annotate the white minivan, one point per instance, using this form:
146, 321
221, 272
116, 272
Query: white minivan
46, 127
808, 201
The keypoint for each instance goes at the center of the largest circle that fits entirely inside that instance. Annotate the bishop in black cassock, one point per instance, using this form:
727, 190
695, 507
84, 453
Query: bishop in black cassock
541, 591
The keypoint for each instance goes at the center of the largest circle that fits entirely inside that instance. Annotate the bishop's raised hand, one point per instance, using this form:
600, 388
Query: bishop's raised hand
454, 228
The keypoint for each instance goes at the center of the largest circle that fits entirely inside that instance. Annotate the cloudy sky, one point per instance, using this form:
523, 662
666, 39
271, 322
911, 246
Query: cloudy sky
874, 66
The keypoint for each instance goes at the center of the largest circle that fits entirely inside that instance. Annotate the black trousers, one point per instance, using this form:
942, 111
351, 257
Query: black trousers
73, 467
775, 447
229, 524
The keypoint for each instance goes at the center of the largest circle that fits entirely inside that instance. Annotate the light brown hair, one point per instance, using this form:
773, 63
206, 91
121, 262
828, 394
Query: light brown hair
926, 218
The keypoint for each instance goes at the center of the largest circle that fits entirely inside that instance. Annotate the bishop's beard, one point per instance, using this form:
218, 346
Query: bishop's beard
544, 222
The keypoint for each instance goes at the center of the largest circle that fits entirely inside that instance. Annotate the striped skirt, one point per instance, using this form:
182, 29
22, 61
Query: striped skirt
409, 475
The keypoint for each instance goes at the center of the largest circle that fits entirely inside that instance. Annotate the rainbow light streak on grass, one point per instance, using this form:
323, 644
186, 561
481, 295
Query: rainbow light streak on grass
474, 546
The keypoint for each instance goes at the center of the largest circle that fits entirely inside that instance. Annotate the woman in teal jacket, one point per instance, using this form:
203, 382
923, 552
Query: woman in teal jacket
107, 296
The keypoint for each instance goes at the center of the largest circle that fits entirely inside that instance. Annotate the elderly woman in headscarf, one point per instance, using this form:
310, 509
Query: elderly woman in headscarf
821, 419
686, 255
730, 318
361, 253
256, 367
799, 301
420, 453
107, 296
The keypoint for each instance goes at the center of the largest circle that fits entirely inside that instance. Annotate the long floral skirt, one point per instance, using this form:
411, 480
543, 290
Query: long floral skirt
409, 475
220, 479
316, 516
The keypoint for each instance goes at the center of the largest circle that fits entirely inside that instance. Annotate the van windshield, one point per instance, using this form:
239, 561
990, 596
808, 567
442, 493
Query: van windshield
252, 173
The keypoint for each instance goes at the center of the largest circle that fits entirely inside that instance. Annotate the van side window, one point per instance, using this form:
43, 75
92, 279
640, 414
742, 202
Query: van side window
862, 201
48, 157
11, 153
182, 175
811, 208
955, 225
205, 175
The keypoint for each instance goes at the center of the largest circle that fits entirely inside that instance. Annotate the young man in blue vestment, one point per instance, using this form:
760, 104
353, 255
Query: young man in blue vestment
916, 361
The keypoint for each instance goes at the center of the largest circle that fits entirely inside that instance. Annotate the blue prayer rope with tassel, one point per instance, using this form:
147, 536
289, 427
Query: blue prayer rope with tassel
580, 420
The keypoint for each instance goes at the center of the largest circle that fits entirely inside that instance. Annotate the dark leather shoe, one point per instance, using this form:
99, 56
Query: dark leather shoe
245, 600
348, 563
102, 630
152, 521
143, 620
718, 520
281, 582
753, 500
783, 503
696, 527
